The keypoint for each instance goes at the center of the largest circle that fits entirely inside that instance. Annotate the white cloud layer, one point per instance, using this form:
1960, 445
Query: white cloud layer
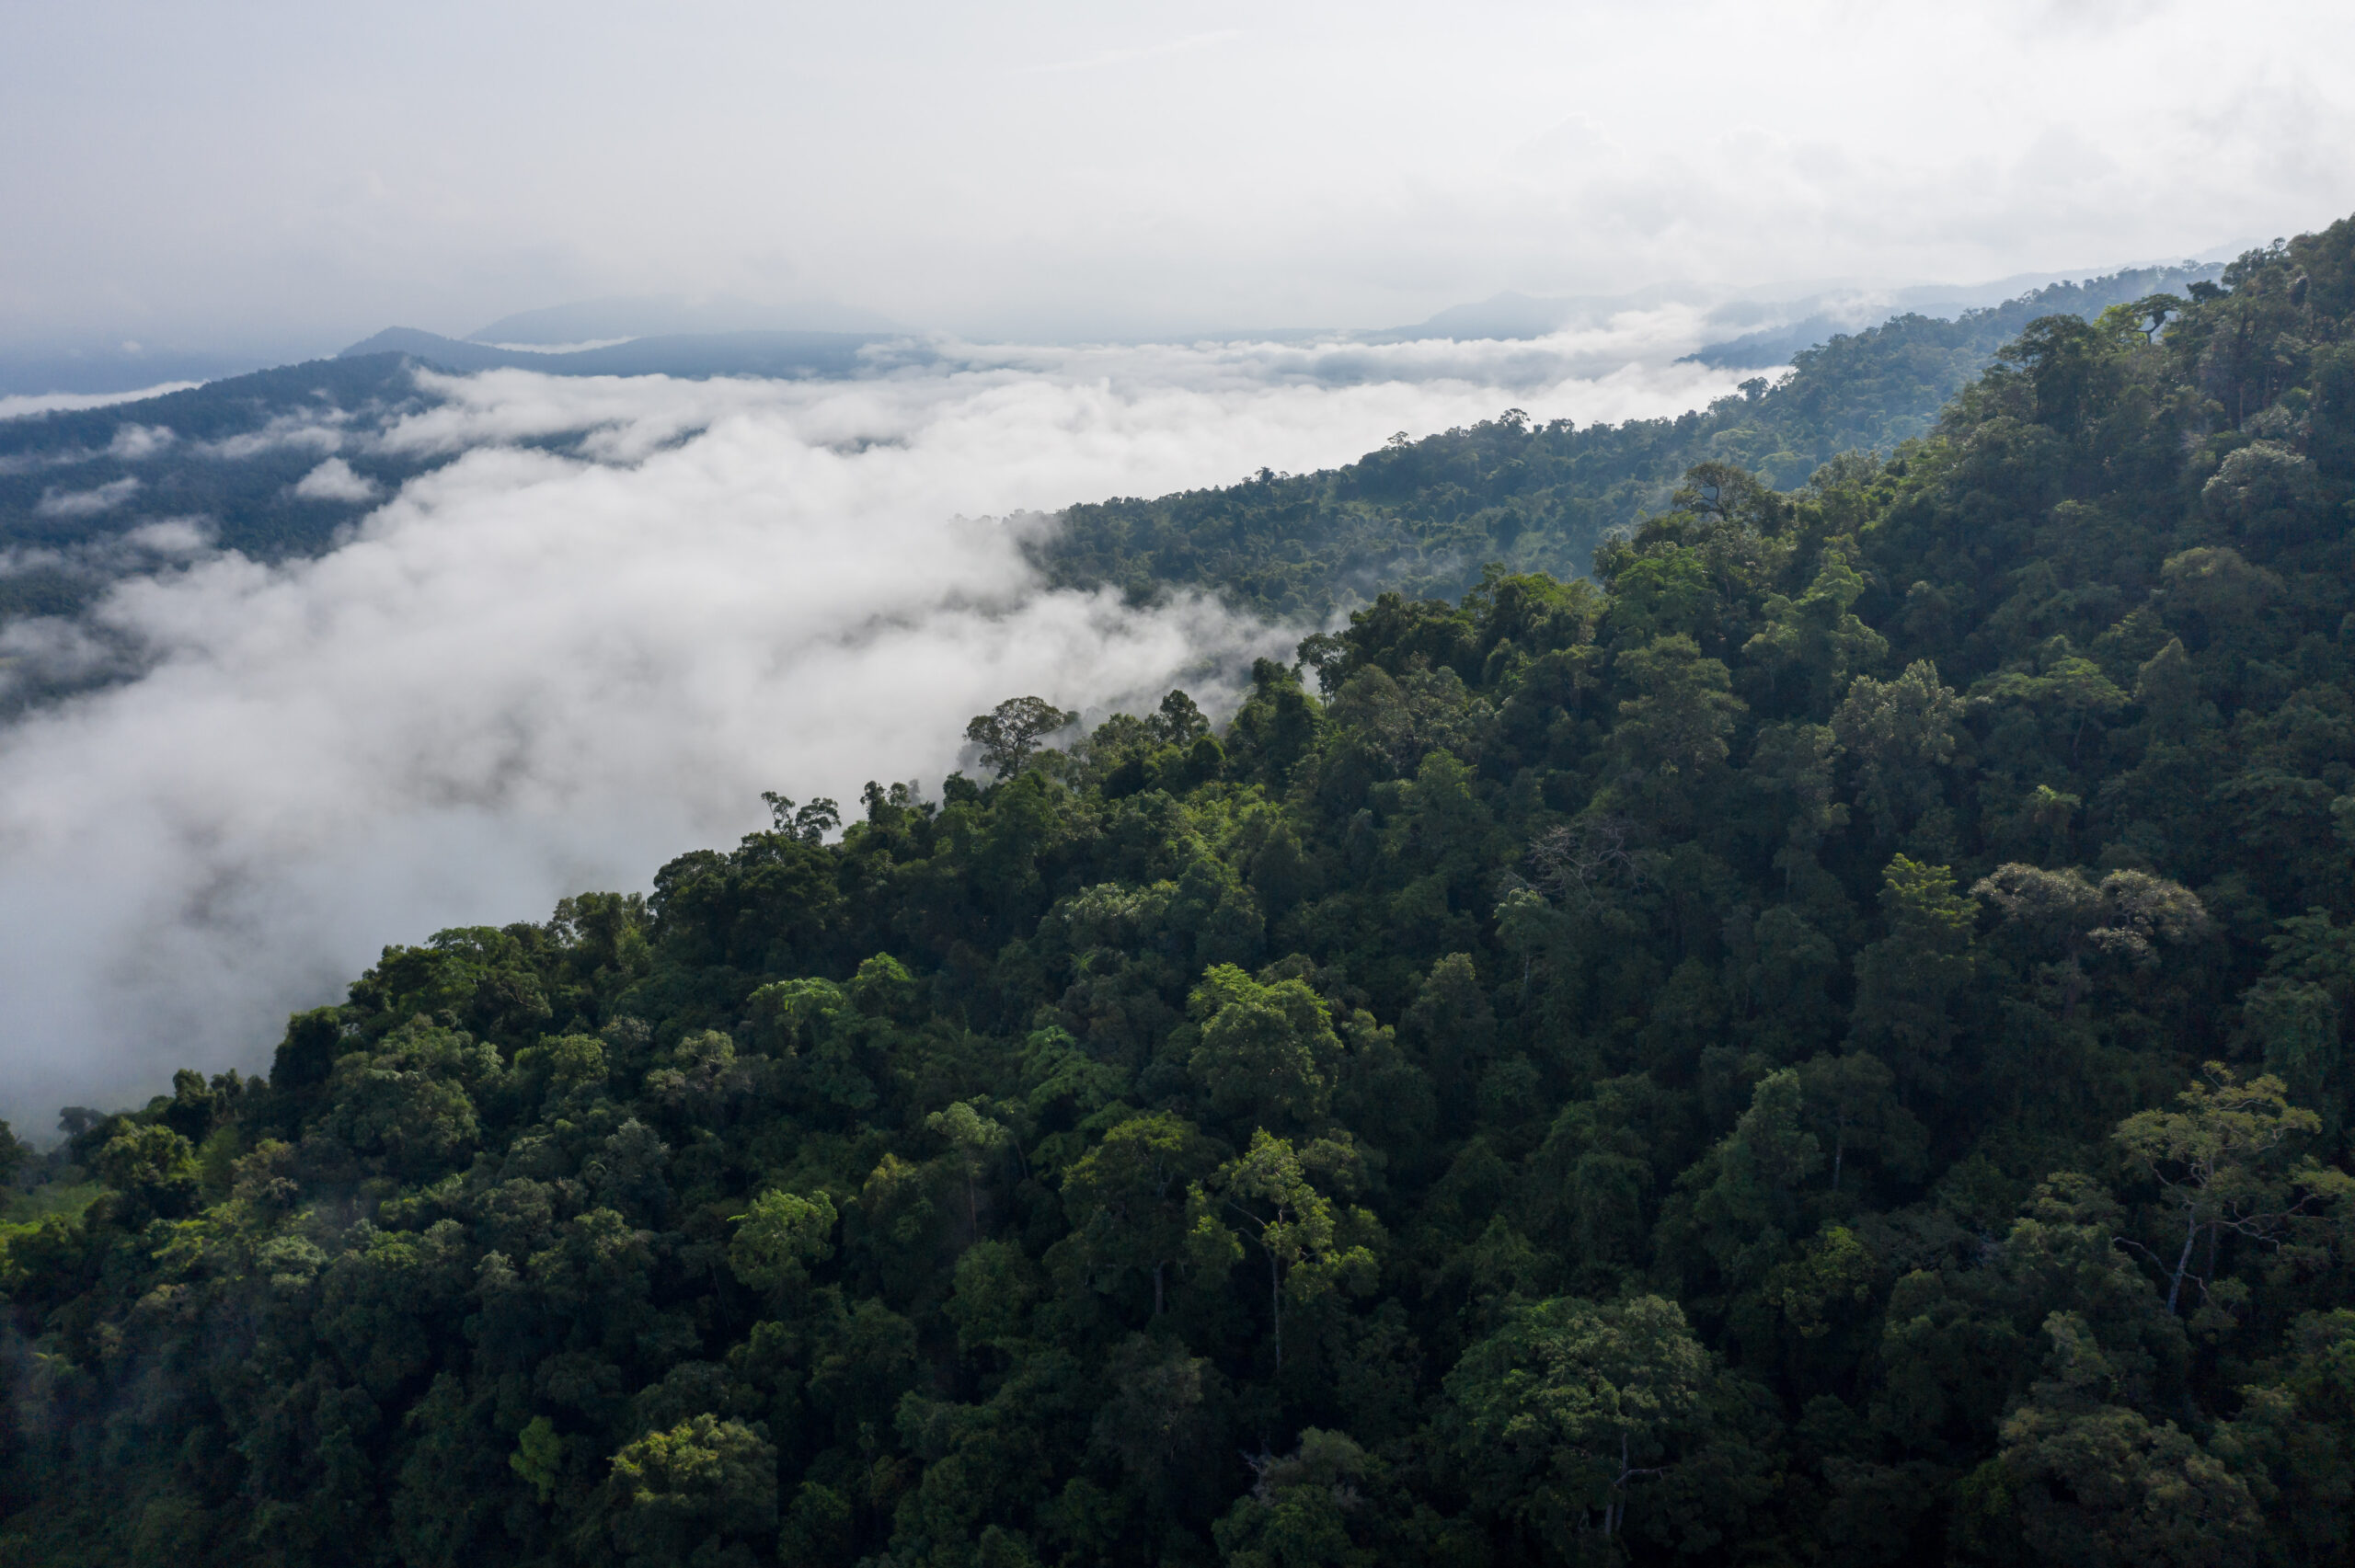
531, 674
335, 480
86, 503
19, 406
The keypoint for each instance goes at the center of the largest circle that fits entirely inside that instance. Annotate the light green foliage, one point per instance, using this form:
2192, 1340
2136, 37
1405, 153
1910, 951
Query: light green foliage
694, 1489
1795, 761
1684, 708
2167, 687
2089, 1481
1831, 1279
152, 1166
1311, 1246
1850, 1098
1818, 635
1307, 1510
2294, 1442
995, 1284
2222, 1158
14, 1154
1267, 1052
1910, 984
1454, 1030
1126, 1200
2071, 691
538, 1456
1746, 1194
973, 1140
1899, 734
1557, 1416
2295, 1025
780, 1237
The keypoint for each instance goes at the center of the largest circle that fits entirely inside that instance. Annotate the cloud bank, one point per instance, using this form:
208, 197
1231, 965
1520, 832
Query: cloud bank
17, 405
534, 671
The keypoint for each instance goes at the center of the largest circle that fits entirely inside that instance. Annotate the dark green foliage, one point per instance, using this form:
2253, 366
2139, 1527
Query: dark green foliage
1825, 1044
1424, 516
227, 453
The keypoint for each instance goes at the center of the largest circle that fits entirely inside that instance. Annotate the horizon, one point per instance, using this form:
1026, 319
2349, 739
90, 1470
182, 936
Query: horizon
99, 373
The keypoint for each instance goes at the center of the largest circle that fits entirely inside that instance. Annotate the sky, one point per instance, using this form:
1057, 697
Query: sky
289, 177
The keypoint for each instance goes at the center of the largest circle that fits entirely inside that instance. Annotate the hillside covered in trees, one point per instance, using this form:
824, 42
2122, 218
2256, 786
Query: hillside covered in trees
1426, 517
1825, 1044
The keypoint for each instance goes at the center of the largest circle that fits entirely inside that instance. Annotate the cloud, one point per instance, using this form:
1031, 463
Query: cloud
171, 536
86, 503
532, 672
335, 481
133, 443
1135, 52
19, 406
53, 649
315, 428
103, 557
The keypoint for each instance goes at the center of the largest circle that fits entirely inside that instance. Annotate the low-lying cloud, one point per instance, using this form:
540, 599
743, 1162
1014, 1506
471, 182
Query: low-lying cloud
19, 406
334, 480
532, 671
87, 503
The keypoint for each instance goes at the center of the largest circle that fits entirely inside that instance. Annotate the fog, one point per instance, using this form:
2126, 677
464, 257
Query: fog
530, 674
296, 177
16, 405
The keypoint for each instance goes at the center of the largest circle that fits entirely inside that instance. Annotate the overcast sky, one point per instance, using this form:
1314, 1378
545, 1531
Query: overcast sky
296, 176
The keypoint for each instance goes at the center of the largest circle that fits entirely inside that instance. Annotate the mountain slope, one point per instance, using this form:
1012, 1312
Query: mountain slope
1426, 516
688, 355
1826, 1043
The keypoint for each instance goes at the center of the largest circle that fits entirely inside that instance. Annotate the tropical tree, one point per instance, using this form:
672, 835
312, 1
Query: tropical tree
1555, 1416
1265, 1197
1007, 736
2219, 1161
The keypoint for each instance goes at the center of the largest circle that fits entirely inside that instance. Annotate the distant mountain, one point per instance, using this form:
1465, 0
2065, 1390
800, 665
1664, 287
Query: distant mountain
228, 450
1983, 325
1781, 323
276, 462
272, 464
1512, 315
672, 315
1425, 517
690, 355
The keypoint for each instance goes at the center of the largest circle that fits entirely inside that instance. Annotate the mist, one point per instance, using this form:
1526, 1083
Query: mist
532, 672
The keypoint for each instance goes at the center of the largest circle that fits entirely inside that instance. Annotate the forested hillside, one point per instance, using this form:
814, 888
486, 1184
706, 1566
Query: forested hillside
1825, 1044
76, 487
1426, 517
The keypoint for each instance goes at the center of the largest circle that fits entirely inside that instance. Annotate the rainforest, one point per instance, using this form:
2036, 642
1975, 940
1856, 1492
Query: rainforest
1821, 1041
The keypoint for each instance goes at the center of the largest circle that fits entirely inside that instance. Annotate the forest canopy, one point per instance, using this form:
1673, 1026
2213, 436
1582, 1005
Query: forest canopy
1823, 1042
1425, 517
